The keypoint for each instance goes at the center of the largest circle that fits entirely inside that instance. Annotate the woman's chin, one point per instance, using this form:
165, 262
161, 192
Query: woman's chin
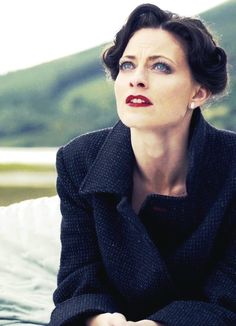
135, 120
137, 123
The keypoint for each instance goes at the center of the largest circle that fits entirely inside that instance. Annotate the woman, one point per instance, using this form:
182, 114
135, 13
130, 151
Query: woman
149, 212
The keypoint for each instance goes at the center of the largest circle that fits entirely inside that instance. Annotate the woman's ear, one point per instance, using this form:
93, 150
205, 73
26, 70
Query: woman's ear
200, 96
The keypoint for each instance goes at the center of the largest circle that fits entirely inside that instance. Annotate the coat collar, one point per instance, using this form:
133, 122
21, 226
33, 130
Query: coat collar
112, 170
197, 150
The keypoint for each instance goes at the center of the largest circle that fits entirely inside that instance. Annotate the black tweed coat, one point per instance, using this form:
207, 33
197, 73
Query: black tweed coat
108, 261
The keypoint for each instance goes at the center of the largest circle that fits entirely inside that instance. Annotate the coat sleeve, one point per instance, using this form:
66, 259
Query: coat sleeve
219, 305
82, 288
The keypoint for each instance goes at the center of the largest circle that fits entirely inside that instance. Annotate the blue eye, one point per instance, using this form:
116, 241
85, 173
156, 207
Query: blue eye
163, 67
126, 65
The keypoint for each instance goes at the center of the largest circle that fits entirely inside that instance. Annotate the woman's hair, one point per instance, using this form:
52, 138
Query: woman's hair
207, 61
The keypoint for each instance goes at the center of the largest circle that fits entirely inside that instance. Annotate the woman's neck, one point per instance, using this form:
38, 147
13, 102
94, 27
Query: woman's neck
161, 160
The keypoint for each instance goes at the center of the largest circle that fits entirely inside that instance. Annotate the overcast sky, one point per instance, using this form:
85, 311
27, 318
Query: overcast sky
36, 31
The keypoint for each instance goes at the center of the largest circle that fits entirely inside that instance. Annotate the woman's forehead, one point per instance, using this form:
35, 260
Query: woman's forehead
151, 42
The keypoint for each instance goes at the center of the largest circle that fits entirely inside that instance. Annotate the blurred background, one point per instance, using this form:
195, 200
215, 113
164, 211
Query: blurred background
53, 86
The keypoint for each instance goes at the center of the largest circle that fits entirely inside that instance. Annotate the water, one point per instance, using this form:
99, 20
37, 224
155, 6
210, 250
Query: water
30, 155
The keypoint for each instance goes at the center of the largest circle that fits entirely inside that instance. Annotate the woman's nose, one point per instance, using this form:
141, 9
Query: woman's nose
138, 80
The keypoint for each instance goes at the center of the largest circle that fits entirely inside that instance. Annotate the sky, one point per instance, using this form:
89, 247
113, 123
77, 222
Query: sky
37, 31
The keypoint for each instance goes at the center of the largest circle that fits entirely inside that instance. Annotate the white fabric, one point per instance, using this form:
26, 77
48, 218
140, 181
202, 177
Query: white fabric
29, 260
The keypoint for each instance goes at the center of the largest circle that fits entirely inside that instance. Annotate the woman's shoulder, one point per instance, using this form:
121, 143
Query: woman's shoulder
224, 139
82, 150
221, 147
84, 141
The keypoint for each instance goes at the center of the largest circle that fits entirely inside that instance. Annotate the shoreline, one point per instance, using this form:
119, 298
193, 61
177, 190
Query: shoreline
28, 155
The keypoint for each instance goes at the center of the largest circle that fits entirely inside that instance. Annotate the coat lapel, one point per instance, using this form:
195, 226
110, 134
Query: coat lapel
112, 169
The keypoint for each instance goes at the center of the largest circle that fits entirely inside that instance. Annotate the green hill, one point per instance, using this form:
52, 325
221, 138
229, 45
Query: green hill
222, 20
48, 104
51, 103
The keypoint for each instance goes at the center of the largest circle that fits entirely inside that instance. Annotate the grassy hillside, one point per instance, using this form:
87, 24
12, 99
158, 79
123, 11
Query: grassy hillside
51, 103
48, 104
221, 20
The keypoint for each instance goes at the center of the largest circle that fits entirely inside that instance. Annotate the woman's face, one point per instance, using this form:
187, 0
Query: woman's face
154, 87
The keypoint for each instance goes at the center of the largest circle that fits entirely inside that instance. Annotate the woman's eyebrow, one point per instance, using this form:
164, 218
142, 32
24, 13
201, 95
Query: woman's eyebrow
131, 57
150, 58
155, 57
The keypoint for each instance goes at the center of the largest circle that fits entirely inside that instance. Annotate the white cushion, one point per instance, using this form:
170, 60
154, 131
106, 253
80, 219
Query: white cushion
29, 260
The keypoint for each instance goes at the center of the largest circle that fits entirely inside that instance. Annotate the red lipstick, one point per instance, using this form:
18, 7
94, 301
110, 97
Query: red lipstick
138, 101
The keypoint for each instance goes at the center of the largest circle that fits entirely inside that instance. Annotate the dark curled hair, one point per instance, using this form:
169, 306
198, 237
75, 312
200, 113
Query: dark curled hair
207, 61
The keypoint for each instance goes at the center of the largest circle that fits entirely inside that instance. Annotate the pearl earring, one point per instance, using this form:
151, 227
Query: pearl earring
192, 106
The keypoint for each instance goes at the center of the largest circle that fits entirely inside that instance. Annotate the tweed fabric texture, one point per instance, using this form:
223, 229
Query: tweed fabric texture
109, 261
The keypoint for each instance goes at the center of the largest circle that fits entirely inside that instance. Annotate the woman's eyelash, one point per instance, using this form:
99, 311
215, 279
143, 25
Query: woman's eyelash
163, 67
126, 65
159, 66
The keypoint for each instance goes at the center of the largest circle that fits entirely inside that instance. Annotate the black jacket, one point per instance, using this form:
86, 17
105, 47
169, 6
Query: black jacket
108, 261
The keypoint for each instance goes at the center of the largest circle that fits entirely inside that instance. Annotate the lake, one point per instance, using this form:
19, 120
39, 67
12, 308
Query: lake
30, 155
26, 179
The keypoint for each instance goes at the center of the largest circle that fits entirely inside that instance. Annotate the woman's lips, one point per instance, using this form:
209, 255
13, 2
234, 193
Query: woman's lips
138, 101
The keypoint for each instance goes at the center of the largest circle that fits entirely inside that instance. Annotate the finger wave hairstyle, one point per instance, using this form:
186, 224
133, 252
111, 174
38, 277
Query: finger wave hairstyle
207, 61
